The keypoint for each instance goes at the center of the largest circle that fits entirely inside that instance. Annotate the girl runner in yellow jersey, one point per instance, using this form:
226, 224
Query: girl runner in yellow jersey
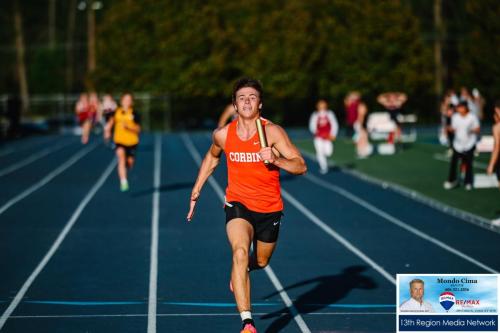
127, 128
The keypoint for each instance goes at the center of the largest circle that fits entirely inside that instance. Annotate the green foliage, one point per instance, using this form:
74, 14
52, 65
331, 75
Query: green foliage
45, 63
297, 48
300, 49
479, 64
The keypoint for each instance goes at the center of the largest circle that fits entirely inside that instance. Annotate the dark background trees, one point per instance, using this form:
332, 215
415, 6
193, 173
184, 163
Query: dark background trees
301, 50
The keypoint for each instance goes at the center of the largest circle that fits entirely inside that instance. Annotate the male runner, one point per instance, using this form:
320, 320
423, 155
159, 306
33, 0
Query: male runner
253, 198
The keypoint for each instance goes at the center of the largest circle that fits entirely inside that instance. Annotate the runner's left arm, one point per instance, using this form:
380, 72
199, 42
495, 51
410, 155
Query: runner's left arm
136, 125
289, 157
107, 128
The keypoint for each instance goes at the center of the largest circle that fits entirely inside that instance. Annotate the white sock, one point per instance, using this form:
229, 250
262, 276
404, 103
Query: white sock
245, 315
123, 181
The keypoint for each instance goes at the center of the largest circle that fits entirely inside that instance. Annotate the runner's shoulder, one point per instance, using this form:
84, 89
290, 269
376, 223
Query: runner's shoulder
274, 129
275, 133
219, 135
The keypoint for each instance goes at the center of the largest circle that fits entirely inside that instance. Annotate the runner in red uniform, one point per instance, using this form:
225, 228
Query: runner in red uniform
253, 198
324, 126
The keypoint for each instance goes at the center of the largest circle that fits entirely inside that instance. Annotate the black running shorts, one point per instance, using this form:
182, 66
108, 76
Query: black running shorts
130, 151
266, 226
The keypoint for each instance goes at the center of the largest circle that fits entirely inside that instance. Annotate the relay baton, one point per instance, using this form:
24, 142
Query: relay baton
262, 136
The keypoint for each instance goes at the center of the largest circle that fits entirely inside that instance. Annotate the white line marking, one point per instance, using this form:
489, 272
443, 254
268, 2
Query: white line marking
55, 246
398, 222
288, 302
47, 178
326, 228
274, 279
418, 197
232, 314
26, 146
153, 271
444, 158
32, 158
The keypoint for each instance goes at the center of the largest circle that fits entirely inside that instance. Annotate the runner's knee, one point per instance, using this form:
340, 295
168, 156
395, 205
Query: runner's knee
240, 256
120, 153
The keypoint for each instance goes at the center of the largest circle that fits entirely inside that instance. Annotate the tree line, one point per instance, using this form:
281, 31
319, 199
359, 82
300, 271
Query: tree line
299, 49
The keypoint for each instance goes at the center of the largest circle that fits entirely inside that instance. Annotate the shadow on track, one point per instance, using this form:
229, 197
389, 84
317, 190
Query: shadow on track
326, 290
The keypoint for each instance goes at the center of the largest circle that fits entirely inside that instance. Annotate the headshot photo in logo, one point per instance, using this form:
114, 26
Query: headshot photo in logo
416, 303
447, 300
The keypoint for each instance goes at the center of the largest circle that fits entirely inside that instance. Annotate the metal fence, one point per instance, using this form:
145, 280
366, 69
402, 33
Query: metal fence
56, 112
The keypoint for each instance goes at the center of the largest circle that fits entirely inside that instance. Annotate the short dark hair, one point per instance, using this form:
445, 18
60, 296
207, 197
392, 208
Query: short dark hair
464, 104
497, 103
247, 82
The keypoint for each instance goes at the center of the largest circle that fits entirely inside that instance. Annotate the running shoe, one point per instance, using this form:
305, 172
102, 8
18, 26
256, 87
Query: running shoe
450, 185
248, 328
124, 186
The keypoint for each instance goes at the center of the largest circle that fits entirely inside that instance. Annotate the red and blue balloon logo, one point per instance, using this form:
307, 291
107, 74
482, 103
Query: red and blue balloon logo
447, 300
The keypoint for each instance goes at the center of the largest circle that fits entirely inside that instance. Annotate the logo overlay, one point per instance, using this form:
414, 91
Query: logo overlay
447, 303
447, 300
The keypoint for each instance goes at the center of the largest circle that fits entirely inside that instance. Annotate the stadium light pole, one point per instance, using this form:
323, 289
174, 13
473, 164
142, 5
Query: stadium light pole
90, 6
52, 24
438, 52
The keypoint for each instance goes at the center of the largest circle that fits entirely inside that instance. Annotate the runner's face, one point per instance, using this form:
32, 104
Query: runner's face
126, 102
248, 102
462, 110
417, 291
322, 106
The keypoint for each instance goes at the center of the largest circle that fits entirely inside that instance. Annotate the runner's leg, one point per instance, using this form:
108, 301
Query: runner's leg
262, 253
320, 154
122, 169
240, 234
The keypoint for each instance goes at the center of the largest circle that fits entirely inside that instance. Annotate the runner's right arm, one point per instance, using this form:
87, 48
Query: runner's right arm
108, 127
313, 121
207, 167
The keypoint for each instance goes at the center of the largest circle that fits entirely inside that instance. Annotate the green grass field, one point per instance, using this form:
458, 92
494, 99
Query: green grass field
417, 168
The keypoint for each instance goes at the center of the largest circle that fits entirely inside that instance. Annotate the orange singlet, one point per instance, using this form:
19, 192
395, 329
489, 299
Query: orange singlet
250, 181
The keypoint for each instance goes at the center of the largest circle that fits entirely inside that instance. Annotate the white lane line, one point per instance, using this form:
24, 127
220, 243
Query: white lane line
32, 158
153, 269
232, 314
326, 228
418, 197
444, 158
27, 146
348, 195
47, 178
288, 302
270, 273
55, 246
